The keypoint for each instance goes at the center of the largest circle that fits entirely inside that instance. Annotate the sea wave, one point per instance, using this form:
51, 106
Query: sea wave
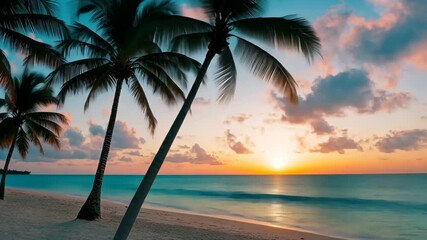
312, 200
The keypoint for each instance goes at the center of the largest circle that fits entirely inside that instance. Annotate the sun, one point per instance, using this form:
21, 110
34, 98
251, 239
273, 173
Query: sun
277, 163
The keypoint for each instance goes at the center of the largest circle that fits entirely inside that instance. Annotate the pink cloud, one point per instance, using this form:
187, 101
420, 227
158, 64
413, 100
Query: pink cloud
417, 55
376, 45
194, 12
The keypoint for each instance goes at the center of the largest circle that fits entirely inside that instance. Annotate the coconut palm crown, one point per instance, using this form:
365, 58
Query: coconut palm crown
229, 19
24, 120
122, 50
21, 17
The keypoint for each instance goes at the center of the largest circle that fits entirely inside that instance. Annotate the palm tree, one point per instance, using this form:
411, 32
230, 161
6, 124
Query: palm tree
19, 17
229, 19
124, 53
23, 122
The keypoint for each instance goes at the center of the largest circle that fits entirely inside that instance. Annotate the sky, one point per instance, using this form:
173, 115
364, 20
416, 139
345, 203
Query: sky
362, 107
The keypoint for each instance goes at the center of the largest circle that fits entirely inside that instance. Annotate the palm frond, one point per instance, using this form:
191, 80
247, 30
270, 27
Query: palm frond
135, 47
289, 32
232, 9
70, 70
68, 46
167, 27
35, 23
171, 69
98, 86
184, 62
83, 33
268, 68
35, 139
167, 80
191, 43
87, 6
49, 7
7, 131
48, 136
5, 73
10, 97
22, 142
156, 9
173, 64
226, 75
52, 116
3, 115
138, 93
37, 52
159, 85
48, 120
82, 81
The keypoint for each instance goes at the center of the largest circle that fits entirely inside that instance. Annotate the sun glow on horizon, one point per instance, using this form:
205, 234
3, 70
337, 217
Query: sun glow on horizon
278, 162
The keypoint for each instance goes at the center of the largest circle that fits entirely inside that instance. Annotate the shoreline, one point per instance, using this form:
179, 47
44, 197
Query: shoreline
44, 213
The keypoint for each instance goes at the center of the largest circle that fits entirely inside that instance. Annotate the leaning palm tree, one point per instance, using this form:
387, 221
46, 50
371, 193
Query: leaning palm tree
123, 53
20, 17
229, 19
24, 121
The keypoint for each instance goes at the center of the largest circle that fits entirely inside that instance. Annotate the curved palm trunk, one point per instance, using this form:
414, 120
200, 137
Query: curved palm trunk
145, 186
91, 209
6, 167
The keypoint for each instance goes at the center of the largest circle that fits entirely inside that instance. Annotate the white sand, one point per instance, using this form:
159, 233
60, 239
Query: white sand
36, 215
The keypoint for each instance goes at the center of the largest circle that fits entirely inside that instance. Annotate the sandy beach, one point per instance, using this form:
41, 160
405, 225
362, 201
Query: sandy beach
38, 215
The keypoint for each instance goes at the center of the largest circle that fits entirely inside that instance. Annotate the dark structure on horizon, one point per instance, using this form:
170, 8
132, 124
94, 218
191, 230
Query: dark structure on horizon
16, 172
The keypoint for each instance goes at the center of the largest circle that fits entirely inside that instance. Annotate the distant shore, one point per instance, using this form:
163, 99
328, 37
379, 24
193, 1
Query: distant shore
15, 172
37, 215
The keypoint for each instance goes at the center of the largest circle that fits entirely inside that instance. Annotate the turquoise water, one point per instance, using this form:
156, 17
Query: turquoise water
350, 206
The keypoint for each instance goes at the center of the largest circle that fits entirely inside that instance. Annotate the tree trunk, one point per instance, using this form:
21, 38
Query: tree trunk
6, 167
143, 189
91, 209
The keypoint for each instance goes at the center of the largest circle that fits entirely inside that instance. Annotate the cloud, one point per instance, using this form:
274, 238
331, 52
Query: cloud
194, 12
75, 136
195, 155
201, 101
382, 45
332, 95
96, 130
338, 144
388, 38
237, 146
124, 137
403, 140
240, 118
134, 153
74, 145
320, 127
125, 159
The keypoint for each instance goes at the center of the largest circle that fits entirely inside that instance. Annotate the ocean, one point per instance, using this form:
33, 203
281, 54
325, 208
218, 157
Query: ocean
350, 206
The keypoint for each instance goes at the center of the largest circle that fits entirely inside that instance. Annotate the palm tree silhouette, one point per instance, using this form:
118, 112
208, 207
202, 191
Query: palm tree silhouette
24, 122
23, 16
124, 53
229, 19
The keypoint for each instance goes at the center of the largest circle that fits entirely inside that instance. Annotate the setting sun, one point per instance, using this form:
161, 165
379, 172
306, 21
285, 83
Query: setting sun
277, 163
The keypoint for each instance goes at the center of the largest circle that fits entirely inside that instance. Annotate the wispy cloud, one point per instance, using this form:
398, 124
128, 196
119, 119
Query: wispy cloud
407, 140
338, 144
237, 146
195, 155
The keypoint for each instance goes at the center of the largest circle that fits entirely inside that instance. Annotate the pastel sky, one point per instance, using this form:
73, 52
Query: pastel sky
363, 107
